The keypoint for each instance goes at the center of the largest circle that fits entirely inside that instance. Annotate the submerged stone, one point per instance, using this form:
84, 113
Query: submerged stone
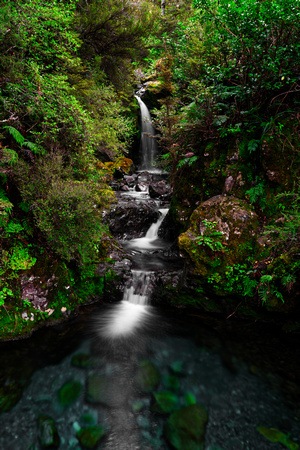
69, 392
185, 428
81, 360
148, 376
165, 402
90, 436
47, 432
177, 367
172, 382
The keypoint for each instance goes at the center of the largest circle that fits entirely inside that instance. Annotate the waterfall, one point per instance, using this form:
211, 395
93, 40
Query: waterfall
148, 145
132, 312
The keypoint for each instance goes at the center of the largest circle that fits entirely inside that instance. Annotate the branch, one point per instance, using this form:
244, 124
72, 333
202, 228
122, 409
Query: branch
12, 117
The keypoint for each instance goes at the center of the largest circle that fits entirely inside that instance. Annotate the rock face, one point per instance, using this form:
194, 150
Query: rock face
131, 220
220, 233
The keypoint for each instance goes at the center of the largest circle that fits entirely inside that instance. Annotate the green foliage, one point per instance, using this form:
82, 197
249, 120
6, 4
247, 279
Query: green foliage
257, 195
211, 237
3, 295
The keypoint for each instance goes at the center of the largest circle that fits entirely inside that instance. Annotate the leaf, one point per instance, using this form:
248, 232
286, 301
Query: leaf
274, 435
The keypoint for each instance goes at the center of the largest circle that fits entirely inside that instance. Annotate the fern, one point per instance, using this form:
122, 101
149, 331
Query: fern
188, 161
34, 148
23, 142
15, 134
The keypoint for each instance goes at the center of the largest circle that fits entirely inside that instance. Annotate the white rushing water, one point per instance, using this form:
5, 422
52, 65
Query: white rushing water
132, 312
148, 144
150, 241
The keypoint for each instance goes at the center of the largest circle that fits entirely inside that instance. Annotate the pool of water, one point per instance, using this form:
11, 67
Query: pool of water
245, 375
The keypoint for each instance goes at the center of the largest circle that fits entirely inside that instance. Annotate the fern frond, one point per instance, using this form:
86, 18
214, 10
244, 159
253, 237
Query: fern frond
34, 148
15, 134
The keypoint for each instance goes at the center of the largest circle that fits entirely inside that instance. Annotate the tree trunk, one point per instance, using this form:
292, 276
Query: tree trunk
163, 7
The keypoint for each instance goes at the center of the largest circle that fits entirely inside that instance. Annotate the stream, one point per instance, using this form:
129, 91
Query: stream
115, 377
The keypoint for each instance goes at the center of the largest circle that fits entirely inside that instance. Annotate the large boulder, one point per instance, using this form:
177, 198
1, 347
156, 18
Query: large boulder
131, 220
221, 230
160, 189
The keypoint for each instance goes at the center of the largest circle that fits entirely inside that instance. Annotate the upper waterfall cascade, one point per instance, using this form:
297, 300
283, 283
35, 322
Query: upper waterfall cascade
148, 144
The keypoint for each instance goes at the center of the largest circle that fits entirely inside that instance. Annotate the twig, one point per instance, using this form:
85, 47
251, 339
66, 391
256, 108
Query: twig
233, 311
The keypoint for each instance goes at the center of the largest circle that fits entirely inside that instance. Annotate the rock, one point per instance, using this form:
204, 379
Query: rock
165, 402
69, 392
160, 189
148, 376
141, 187
221, 230
229, 183
90, 436
130, 220
130, 180
47, 432
185, 428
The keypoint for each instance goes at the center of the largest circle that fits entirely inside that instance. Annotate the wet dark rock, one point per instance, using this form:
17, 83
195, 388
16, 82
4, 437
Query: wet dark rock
160, 189
229, 183
185, 428
90, 436
141, 187
130, 180
35, 290
69, 392
130, 220
144, 177
147, 376
47, 432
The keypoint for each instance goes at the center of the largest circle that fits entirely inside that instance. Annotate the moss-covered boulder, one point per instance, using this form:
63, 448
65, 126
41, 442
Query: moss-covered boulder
185, 428
220, 235
147, 376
